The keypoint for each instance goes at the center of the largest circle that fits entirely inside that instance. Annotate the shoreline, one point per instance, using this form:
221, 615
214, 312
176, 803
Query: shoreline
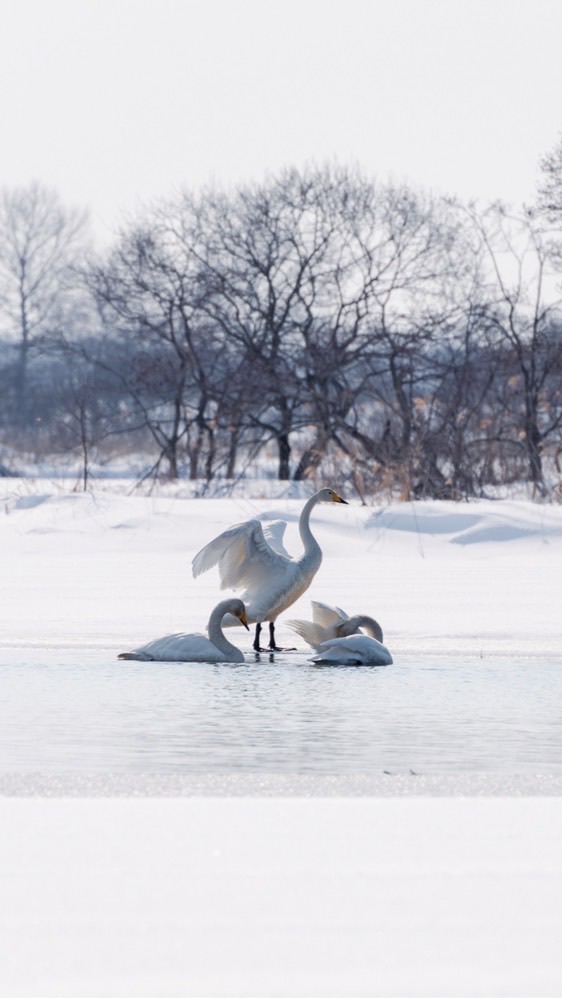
228, 785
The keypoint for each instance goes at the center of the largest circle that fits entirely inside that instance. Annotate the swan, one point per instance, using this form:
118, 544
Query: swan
270, 578
332, 622
196, 647
355, 649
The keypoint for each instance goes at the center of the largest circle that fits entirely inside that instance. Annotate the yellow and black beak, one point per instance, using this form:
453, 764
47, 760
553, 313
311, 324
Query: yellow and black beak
243, 620
338, 498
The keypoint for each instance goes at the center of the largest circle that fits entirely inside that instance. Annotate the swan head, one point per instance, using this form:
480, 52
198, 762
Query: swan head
238, 609
328, 495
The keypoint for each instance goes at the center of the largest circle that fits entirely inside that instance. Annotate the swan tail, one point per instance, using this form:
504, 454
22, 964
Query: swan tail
135, 656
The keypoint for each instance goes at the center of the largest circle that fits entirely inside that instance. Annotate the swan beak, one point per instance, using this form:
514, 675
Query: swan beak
338, 498
243, 620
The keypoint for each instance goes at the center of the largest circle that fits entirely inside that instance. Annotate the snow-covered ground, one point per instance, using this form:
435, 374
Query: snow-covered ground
295, 894
216, 897
106, 569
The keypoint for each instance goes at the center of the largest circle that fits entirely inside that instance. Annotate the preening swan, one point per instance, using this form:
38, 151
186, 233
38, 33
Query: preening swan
196, 647
331, 622
356, 649
271, 580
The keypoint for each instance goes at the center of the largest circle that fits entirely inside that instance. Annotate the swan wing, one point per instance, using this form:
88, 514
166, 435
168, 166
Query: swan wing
327, 616
312, 633
274, 532
244, 558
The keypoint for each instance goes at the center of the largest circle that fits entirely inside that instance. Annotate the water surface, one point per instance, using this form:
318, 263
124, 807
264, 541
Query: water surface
81, 711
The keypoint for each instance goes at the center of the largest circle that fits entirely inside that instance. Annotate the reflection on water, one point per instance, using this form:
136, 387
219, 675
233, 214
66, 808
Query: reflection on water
283, 716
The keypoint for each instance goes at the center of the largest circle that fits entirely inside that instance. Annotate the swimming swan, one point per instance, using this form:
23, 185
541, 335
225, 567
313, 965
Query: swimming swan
196, 647
270, 578
355, 649
331, 622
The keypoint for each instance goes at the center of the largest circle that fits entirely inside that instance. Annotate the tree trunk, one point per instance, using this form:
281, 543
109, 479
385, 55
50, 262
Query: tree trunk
232, 453
311, 457
533, 442
284, 457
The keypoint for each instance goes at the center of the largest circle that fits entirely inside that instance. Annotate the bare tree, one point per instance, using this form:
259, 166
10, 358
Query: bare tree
86, 414
549, 201
152, 295
276, 262
40, 241
402, 259
323, 318
525, 324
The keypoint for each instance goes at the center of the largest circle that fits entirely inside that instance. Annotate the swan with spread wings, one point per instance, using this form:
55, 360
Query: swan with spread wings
270, 579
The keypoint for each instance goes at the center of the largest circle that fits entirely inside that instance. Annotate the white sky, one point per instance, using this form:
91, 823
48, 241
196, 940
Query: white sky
117, 101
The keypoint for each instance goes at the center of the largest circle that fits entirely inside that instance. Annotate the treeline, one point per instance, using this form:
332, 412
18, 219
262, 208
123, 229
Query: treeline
315, 324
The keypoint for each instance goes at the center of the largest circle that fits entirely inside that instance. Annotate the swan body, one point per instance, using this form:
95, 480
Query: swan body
196, 647
355, 649
254, 560
331, 622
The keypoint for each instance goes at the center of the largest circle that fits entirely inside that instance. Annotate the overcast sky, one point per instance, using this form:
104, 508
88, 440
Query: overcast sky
114, 102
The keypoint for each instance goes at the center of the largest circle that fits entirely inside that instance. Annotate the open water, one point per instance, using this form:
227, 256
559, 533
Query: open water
63, 711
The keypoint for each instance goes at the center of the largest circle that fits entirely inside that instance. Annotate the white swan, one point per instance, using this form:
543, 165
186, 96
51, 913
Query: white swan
270, 578
355, 649
196, 647
331, 622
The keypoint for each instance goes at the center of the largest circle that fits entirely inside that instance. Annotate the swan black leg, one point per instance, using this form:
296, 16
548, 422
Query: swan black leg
272, 645
257, 638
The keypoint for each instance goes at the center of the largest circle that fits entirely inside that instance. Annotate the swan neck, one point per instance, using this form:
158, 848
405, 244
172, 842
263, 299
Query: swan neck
311, 545
360, 620
215, 631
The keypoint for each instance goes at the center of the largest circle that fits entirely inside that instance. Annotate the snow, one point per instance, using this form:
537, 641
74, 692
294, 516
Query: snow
222, 897
148, 886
